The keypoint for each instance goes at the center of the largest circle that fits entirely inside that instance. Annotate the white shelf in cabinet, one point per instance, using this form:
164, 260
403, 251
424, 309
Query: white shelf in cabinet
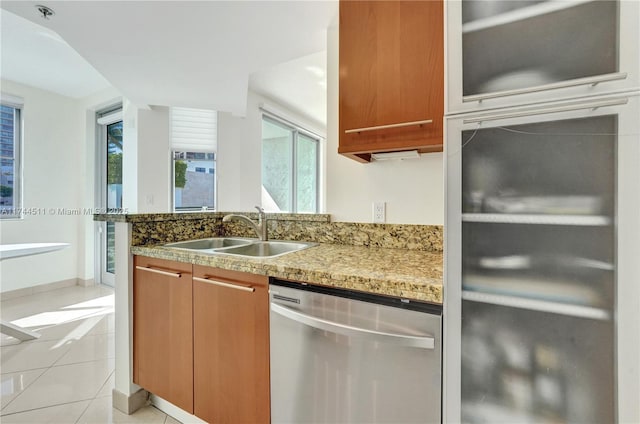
539, 219
520, 14
538, 305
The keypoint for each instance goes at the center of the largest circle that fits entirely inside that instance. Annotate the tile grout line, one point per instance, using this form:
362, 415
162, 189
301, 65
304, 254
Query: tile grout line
105, 383
47, 406
58, 404
28, 385
91, 401
30, 369
81, 362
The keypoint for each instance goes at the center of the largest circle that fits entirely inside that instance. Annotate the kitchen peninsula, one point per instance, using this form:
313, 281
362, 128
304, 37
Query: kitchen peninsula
401, 261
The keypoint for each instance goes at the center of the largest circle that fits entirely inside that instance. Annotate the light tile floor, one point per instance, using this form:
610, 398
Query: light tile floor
65, 376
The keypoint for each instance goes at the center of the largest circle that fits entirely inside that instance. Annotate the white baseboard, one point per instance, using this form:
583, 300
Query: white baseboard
87, 283
12, 294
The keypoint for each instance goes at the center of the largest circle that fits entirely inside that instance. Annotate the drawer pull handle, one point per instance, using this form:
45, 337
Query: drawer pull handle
159, 271
592, 81
384, 127
223, 284
567, 108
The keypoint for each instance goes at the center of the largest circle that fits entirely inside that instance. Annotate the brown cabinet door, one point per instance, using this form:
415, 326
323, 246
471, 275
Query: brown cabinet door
163, 329
231, 346
391, 72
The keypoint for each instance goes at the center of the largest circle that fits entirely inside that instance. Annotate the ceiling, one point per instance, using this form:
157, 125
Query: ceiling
186, 53
300, 85
36, 56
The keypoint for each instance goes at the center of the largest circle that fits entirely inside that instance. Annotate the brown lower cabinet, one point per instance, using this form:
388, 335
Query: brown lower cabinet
163, 329
201, 339
231, 346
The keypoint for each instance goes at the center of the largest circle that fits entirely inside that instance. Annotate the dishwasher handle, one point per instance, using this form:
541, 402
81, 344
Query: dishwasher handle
425, 342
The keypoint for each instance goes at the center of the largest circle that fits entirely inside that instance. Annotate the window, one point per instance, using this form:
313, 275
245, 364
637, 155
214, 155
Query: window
289, 167
194, 142
10, 190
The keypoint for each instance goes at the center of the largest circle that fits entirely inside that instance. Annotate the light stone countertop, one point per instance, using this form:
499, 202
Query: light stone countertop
410, 274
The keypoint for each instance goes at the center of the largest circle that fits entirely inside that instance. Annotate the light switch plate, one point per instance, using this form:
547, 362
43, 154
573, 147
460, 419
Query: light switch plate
379, 212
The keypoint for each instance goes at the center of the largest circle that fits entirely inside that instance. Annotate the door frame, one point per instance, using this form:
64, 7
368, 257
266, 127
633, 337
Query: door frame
104, 118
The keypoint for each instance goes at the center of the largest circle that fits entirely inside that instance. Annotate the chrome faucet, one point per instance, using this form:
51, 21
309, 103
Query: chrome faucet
260, 228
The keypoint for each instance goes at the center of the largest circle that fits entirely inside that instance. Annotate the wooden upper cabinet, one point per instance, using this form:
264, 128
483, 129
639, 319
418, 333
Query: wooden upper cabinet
231, 346
163, 329
391, 73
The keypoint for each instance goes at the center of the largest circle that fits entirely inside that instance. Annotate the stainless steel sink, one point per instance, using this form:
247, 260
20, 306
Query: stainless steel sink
209, 243
267, 249
241, 247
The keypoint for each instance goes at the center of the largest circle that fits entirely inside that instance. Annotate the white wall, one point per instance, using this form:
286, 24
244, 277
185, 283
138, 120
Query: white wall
154, 168
53, 151
412, 189
146, 169
129, 157
238, 161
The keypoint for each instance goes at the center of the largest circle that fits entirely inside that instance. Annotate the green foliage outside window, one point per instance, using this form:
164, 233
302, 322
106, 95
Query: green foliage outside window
114, 168
6, 191
180, 174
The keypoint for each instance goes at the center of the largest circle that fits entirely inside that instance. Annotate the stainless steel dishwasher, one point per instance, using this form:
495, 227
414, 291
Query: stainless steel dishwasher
339, 356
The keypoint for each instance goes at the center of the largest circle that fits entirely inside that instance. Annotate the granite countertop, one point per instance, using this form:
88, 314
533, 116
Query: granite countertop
410, 274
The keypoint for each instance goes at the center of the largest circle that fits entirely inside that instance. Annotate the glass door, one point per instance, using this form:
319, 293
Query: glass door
505, 52
110, 141
537, 273
114, 194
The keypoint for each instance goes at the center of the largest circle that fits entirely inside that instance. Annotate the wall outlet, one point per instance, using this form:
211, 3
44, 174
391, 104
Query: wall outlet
379, 212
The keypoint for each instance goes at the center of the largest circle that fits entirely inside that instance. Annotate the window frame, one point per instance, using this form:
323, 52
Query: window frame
103, 118
296, 131
18, 168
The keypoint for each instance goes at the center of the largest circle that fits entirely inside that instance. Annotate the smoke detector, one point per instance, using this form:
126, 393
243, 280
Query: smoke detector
45, 11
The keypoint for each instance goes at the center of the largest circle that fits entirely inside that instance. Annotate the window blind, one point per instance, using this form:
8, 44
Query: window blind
194, 130
11, 101
110, 118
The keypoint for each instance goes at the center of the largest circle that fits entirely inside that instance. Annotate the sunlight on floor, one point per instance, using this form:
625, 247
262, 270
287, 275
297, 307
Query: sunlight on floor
88, 313
67, 375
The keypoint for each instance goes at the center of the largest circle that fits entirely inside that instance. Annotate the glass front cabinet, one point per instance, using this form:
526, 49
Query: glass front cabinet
506, 52
542, 292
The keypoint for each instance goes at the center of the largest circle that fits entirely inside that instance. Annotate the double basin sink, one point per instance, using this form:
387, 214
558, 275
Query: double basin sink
252, 248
